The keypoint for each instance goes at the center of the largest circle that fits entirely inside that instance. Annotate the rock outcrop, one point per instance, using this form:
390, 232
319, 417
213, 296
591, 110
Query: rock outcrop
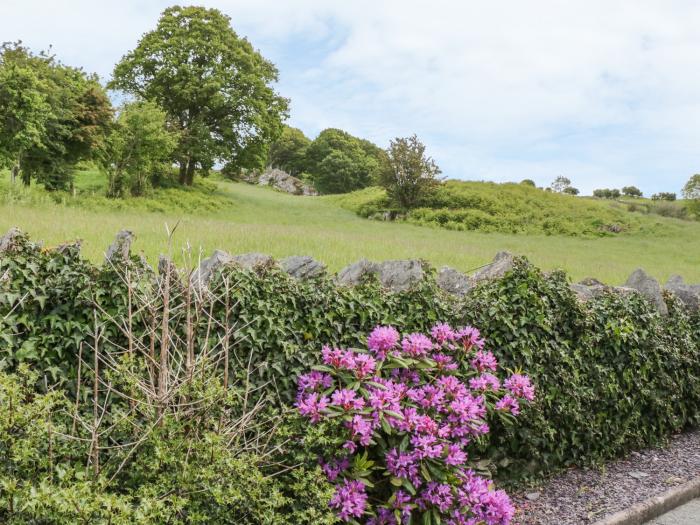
303, 267
282, 181
649, 288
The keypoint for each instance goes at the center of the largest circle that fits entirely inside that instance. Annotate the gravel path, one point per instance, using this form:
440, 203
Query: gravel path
583, 496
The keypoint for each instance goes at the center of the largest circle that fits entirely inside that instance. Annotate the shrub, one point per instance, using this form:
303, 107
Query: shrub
612, 374
409, 409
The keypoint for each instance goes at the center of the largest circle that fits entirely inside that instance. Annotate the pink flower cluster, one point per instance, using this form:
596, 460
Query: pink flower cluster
413, 404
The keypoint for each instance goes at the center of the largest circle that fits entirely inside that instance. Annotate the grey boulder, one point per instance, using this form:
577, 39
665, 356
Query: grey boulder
9, 240
119, 250
453, 281
355, 273
502, 263
395, 275
689, 294
649, 288
302, 267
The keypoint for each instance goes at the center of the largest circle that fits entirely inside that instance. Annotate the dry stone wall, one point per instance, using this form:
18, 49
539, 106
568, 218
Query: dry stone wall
399, 275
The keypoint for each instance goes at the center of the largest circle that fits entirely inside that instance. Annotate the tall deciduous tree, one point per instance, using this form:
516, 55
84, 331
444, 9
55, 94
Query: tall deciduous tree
412, 175
24, 110
560, 184
339, 162
691, 193
288, 152
53, 116
211, 83
138, 148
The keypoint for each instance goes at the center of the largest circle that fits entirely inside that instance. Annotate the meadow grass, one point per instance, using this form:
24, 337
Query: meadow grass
240, 218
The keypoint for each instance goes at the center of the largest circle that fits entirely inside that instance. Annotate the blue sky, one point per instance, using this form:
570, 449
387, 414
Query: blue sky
604, 92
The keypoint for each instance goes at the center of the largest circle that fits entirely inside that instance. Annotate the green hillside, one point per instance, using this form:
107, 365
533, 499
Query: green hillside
515, 208
240, 218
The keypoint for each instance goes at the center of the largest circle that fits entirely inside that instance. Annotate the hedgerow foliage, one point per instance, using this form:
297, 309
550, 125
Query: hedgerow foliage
612, 374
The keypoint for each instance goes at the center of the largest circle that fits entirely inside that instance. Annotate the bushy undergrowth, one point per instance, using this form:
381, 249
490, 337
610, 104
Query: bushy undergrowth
611, 374
505, 208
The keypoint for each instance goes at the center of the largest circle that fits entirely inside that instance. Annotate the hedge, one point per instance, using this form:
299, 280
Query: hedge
612, 374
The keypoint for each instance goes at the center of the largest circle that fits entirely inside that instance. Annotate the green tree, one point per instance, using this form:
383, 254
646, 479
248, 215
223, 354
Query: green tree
664, 196
411, 175
570, 190
632, 191
213, 84
66, 115
340, 163
24, 109
691, 193
560, 184
528, 182
288, 152
138, 148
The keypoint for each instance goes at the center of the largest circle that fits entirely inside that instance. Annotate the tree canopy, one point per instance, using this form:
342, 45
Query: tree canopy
340, 163
138, 148
288, 152
213, 85
412, 175
52, 116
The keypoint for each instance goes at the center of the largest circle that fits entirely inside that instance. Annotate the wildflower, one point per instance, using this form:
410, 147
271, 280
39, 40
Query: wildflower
382, 339
349, 500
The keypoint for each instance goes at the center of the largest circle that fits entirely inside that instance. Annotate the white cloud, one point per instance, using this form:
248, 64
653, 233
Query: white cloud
605, 92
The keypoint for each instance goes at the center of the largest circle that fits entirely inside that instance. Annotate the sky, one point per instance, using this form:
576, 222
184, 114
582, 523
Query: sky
606, 93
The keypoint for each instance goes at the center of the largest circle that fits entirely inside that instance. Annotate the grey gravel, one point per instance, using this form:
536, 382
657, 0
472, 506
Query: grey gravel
583, 496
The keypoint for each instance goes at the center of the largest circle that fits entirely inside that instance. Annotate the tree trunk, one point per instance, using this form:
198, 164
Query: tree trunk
190, 171
14, 173
182, 179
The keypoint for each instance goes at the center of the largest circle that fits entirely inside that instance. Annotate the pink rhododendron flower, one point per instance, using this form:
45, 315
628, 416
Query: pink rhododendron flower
470, 337
520, 386
416, 345
311, 406
443, 333
484, 361
349, 500
382, 339
508, 404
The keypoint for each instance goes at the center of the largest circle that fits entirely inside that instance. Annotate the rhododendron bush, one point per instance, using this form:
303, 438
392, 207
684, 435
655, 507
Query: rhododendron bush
409, 407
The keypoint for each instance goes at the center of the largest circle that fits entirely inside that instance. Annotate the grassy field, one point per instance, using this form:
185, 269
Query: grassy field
241, 218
